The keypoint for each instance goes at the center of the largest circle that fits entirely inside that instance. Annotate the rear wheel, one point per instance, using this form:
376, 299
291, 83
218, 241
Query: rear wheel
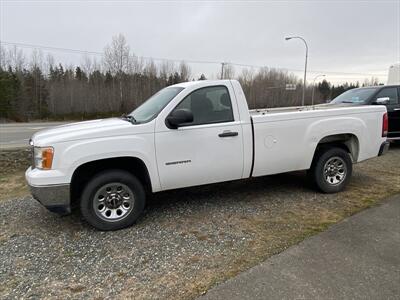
112, 200
331, 169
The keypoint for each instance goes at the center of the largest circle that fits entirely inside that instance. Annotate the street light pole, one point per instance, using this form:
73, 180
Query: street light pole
305, 66
313, 87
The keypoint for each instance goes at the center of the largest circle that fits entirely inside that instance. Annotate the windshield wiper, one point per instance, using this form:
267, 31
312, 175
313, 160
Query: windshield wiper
129, 118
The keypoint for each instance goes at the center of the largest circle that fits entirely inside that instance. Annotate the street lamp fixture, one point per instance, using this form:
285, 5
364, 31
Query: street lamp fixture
305, 66
313, 88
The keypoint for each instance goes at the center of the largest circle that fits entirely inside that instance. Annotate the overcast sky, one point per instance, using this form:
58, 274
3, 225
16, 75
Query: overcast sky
343, 36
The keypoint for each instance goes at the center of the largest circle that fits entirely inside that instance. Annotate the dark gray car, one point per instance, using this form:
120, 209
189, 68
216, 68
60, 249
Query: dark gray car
388, 95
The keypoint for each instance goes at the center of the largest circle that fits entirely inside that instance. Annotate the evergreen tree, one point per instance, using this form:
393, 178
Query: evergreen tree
79, 75
325, 89
10, 89
176, 78
34, 94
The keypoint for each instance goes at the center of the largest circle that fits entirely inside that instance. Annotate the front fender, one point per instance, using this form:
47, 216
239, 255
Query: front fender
140, 146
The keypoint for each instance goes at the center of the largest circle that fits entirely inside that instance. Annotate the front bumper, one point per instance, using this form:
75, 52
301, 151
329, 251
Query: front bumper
384, 148
56, 198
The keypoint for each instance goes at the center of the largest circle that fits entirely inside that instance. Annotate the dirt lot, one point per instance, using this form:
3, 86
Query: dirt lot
187, 241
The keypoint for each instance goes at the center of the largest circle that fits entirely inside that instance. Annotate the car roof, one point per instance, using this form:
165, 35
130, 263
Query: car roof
379, 86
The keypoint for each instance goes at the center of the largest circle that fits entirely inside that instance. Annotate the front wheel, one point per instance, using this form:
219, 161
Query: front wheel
112, 200
331, 169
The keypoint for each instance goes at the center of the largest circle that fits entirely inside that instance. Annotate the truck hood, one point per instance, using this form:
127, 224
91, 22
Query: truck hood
85, 130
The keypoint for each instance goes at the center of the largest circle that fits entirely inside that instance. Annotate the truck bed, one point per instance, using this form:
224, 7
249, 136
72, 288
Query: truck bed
285, 138
318, 111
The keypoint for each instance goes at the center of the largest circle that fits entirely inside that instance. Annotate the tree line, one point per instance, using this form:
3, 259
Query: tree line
38, 88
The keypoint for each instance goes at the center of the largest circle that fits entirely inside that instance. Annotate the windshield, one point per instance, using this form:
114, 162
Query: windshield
355, 96
152, 106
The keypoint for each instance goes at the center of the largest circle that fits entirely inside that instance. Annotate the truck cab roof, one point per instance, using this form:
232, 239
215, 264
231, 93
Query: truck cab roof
203, 83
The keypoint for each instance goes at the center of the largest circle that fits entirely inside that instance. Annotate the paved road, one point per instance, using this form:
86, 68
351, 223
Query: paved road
358, 258
17, 135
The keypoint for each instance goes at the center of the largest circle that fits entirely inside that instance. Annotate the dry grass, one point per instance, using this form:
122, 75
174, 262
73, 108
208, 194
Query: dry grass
13, 185
13, 164
285, 215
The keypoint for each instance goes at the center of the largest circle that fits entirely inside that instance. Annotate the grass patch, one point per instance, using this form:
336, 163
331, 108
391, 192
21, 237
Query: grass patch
13, 185
12, 173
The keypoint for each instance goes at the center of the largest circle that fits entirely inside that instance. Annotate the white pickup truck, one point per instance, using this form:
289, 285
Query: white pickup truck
191, 134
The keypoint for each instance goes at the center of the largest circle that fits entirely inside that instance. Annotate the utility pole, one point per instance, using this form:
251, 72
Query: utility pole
222, 70
305, 67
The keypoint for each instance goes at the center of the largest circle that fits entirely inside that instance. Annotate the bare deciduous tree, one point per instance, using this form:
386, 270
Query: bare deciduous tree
4, 61
87, 64
36, 60
16, 58
150, 69
49, 64
228, 71
184, 71
135, 65
116, 55
116, 60
166, 68
371, 82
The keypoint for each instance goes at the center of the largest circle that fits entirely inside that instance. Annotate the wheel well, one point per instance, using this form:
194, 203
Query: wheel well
85, 172
346, 141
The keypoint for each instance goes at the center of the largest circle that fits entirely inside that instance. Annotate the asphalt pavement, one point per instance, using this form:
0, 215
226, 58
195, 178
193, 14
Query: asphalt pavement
17, 135
358, 258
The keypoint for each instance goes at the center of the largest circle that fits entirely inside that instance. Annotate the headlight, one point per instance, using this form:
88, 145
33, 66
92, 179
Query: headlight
43, 157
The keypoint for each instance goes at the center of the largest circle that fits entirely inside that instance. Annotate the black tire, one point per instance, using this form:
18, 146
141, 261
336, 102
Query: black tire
339, 165
115, 200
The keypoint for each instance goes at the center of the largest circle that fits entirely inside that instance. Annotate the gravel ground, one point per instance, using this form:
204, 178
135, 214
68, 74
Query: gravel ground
187, 241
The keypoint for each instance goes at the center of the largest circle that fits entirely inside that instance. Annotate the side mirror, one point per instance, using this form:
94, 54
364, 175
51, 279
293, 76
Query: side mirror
382, 100
179, 117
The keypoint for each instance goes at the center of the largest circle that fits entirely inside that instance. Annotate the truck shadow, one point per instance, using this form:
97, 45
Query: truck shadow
395, 146
180, 203
239, 190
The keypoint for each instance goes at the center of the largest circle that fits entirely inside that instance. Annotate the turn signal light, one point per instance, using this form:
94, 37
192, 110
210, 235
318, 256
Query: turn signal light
47, 156
43, 157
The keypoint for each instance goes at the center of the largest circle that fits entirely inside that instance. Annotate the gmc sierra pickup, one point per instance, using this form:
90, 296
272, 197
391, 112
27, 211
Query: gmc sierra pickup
191, 134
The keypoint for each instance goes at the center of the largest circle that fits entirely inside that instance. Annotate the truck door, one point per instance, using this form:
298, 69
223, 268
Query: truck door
393, 109
207, 150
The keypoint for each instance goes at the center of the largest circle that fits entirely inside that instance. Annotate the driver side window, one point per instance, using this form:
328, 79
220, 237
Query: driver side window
208, 105
391, 93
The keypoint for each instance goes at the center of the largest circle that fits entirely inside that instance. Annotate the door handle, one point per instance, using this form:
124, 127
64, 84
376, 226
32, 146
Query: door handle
228, 134
396, 109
